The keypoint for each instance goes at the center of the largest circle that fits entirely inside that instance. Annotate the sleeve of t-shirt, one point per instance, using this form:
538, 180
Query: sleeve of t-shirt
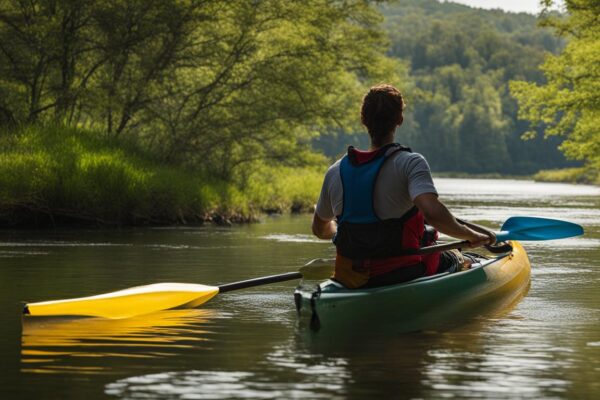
324, 207
419, 177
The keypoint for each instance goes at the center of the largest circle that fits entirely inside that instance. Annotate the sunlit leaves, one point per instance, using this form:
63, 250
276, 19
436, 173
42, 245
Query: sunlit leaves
569, 103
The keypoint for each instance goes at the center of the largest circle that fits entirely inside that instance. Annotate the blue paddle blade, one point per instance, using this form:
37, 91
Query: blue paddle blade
535, 228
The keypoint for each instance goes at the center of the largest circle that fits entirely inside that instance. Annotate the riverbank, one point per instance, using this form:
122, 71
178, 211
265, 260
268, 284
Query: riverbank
584, 175
57, 176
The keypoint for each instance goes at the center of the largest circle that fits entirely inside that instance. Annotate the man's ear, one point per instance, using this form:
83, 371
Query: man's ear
400, 120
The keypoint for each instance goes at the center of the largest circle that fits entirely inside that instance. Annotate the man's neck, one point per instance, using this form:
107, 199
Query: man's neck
387, 140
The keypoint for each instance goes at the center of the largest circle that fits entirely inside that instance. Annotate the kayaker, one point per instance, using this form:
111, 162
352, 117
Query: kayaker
374, 205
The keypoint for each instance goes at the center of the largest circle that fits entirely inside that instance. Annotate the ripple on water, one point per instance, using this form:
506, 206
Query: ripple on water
250, 305
53, 344
577, 243
499, 214
298, 238
505, 360
493, 189
20, 254
62, 244
538, 271
197, 384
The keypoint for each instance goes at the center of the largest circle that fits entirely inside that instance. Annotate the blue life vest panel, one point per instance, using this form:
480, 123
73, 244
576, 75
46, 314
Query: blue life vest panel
358, 182
361, 233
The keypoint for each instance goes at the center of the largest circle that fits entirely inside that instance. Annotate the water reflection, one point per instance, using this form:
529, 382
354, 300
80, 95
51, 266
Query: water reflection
55, 344
348, 364
198, 384
385, 363
521, 363
511, 191
282, 237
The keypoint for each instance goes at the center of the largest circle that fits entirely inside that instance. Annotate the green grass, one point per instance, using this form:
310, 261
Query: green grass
569, 175
284, 188
63, 175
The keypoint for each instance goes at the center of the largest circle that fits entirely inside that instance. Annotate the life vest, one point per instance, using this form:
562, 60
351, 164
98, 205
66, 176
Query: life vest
366, 244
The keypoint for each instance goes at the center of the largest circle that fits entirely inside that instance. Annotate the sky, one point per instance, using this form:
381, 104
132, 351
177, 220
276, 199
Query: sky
528, 6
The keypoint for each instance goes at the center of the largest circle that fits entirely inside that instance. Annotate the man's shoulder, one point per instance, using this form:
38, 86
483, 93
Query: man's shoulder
407, 158
334, 167
333, 172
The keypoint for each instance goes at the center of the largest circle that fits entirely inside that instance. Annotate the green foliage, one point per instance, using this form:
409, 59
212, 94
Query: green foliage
569, 175
79, 175
462, 60
460, 115
282, 189
106, 107
212, 84
568, 104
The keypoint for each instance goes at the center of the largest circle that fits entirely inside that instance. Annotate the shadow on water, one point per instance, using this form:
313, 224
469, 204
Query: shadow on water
60, 345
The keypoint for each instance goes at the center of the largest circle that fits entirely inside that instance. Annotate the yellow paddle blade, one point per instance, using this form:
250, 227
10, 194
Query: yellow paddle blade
317, 269
128, 302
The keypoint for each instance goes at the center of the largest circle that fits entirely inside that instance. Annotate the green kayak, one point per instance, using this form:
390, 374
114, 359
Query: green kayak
420, 303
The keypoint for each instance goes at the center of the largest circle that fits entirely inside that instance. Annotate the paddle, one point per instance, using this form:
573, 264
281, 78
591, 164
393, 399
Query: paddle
517, 228
162, 296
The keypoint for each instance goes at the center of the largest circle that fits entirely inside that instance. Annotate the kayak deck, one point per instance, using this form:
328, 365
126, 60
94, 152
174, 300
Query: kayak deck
418, 303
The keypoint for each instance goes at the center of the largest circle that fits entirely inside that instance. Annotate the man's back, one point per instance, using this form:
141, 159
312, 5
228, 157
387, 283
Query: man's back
403, 177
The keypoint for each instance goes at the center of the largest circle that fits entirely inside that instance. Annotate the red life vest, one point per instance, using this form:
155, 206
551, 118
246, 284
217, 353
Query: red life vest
373, 245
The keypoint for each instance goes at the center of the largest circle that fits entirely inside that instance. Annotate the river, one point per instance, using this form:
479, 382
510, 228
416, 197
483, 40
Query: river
247, 344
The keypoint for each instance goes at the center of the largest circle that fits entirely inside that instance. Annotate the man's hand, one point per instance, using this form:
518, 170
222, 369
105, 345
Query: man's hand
480, 240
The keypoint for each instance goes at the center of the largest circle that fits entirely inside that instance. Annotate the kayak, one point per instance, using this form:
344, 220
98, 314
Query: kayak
420, 303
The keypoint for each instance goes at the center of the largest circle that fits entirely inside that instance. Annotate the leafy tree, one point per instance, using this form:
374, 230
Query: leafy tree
91, 62
568, 104
208, 83
287, 71
460, 114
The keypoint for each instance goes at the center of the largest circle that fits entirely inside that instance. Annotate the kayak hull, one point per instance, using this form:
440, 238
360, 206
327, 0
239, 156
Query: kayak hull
418, 304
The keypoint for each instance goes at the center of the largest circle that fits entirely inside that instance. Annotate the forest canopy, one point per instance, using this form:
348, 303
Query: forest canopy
154, 111
229, 91
461, 115
568, 103
219, 86
208, 83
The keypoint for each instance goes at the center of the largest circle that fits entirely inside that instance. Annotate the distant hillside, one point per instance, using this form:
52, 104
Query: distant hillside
460, 60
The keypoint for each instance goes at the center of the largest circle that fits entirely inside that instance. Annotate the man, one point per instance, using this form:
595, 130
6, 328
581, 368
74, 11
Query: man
374, 205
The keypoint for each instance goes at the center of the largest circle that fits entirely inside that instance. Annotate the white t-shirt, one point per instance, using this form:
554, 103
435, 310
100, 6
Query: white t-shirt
403, 177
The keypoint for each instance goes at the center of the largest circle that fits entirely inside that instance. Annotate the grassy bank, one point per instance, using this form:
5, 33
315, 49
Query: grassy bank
570, 175
57, 176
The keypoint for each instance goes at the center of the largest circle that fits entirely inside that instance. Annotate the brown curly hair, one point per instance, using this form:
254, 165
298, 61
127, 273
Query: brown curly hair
381, 111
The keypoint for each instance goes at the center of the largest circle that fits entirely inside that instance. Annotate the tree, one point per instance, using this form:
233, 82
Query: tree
215, 84
460, 114
568, 104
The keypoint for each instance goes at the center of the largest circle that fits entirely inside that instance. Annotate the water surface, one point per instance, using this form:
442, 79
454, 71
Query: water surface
247, 344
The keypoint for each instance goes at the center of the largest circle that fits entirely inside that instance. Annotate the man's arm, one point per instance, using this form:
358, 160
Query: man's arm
323, 229
440, 218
